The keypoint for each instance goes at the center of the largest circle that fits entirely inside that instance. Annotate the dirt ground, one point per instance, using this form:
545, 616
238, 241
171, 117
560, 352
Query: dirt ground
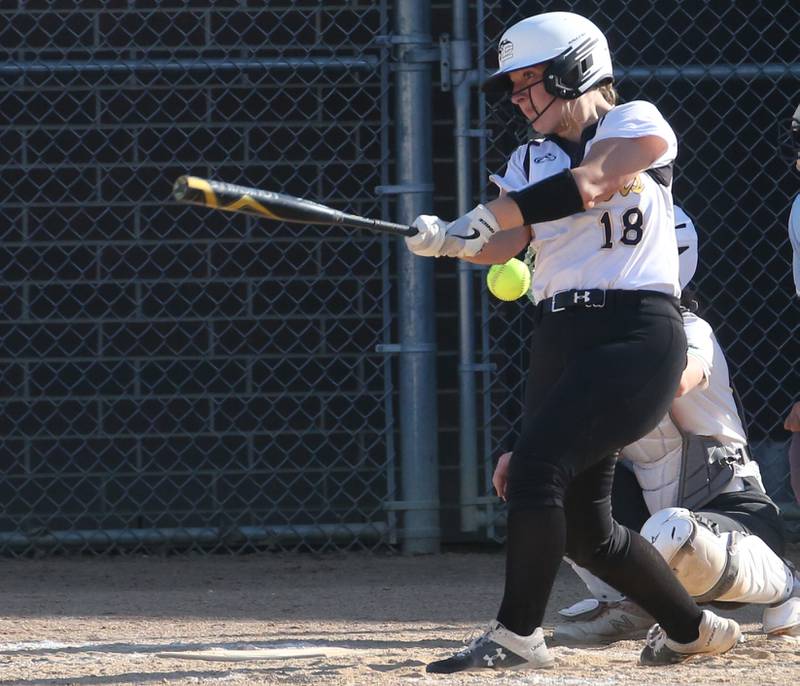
103, 621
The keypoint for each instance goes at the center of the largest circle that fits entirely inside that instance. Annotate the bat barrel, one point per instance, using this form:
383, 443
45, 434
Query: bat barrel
276, 206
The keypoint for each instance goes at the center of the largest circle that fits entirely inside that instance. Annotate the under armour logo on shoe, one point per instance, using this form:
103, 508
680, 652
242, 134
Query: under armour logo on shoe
499, 655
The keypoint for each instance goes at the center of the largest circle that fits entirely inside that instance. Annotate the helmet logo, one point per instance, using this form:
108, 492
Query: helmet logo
574, 39
505, 51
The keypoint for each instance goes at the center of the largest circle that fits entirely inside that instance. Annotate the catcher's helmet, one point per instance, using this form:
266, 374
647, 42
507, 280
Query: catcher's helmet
575, 48
686, 235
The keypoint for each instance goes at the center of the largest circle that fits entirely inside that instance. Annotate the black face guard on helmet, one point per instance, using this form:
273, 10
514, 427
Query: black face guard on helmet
527, 89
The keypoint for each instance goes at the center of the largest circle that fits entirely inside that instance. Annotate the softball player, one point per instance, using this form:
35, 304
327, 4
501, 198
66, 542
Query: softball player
608, 343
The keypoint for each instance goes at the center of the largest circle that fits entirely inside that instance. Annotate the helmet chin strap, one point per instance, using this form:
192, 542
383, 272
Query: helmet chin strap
533, 107
538, 113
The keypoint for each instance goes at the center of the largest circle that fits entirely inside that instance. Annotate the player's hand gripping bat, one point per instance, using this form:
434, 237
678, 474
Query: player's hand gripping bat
276, 206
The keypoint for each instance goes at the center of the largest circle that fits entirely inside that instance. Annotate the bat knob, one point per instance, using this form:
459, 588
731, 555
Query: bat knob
180, 188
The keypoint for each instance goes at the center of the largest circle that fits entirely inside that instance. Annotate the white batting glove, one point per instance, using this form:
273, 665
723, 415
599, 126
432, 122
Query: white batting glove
468, 234
431, 237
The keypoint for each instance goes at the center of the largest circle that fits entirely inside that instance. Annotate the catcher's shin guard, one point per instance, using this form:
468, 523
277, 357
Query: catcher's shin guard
729, 567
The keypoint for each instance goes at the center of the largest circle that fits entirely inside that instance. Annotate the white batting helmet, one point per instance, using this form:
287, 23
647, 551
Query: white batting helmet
687, 246
575, 48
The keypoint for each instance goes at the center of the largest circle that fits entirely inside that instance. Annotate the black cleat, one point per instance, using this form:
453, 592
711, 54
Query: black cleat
498, 648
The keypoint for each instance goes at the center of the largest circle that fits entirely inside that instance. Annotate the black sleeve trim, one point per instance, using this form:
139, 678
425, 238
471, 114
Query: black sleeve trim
661, 175
552, 198
526, 165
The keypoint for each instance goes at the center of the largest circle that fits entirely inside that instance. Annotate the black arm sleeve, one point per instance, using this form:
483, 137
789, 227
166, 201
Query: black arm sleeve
555, 197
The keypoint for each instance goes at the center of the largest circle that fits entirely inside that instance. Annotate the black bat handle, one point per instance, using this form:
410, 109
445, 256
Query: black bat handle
391, 227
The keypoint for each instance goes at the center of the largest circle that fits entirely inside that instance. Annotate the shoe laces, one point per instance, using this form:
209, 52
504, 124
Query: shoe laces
656, 638
475, 638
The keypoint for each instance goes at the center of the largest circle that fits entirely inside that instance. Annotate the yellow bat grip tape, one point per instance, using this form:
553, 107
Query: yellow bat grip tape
247, 201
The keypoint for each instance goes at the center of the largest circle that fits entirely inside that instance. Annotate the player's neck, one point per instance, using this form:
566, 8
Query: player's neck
582, 113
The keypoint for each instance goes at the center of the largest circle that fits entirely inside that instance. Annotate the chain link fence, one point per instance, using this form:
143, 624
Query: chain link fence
726, 78
172, 377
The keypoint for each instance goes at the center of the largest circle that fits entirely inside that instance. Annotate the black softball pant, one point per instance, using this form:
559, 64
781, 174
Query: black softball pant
600, 378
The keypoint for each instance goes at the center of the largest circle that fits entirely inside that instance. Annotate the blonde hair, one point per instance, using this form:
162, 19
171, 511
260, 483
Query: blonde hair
606, 89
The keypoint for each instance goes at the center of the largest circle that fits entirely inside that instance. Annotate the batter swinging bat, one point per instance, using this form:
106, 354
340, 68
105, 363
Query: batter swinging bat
277, 206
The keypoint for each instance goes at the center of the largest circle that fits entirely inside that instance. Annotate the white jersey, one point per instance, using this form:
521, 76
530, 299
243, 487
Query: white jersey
626, 242
794, 237
707, 410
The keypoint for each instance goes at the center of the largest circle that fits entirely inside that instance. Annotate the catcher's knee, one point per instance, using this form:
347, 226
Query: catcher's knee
698, 556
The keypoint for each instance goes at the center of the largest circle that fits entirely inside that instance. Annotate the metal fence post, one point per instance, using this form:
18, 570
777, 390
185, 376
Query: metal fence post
417, 383
463, 78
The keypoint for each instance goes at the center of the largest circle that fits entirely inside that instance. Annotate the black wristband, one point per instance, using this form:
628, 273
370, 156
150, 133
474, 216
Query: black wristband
555, 197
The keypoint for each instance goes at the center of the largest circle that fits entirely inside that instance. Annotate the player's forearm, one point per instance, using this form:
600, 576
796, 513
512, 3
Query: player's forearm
507, 213
503, 246
509, 218
693, 376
